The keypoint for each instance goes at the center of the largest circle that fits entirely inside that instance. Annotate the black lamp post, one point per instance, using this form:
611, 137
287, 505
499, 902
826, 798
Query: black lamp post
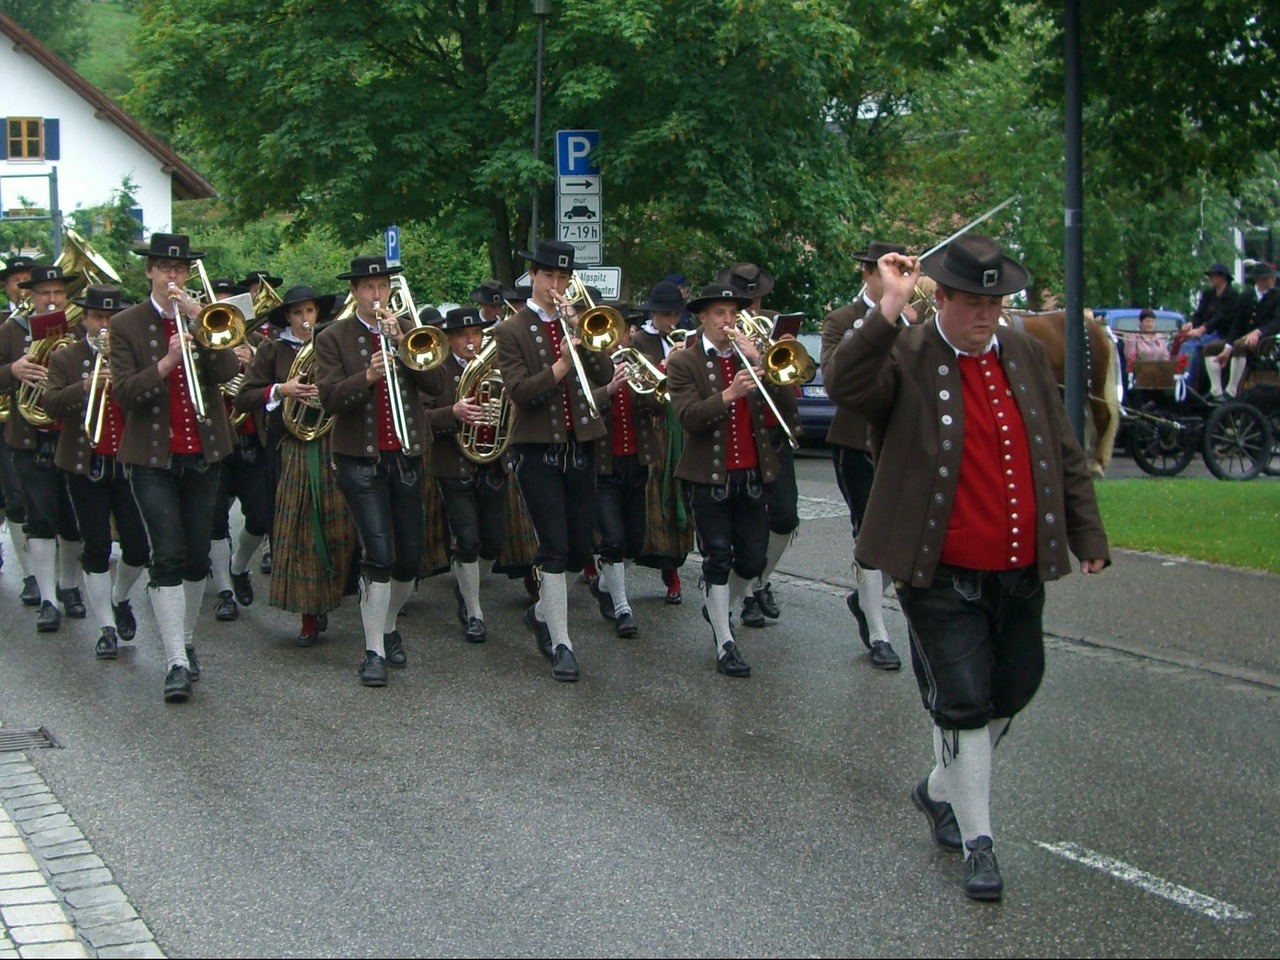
541, 10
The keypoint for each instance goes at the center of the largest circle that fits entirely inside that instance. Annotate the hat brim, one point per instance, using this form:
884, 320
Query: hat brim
543, 262
663, 306
389, 272
191, 257
701, 303
765, 282
60, 278
1013, 276
279, 316
85, 305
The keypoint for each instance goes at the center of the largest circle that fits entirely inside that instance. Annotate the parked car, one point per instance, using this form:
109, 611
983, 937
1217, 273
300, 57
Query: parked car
816, 411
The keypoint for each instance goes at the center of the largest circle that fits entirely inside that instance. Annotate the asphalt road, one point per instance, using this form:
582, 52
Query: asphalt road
475, 807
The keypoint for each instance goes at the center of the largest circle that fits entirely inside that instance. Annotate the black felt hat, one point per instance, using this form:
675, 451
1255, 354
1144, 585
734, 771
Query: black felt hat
550, 253
256, 276
362, 267
1219, 268
877, 249
714, 293
488, 294
665, 297
102, 296
228, 286
169, 246
301, 293
975, 264
459, 318
43, 273
748, 279
17, 264
428, 314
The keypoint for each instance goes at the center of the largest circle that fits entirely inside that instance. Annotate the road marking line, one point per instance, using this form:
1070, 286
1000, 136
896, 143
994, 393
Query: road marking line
1182, 896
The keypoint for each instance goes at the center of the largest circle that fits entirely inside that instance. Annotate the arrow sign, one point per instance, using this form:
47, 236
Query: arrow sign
579, 184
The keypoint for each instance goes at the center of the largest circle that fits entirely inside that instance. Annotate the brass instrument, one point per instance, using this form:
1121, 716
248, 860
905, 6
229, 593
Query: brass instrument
749, 326
88, 267
266, 299
29, 396
304, 417
599, 328
421, 348
786, 362
220, 325
486, 440
643, 375
96, 409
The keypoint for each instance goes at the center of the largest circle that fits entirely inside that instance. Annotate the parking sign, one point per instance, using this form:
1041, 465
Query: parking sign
393, 246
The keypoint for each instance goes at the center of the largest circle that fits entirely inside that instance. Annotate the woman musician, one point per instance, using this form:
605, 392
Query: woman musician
78, 392
311, 530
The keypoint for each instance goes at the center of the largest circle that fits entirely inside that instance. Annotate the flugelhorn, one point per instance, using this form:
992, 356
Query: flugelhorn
643, 375
96, 405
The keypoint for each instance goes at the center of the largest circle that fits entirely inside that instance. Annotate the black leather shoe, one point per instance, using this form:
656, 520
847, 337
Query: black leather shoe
322, 622
226, 608
540, 632
604, 600
373, 671
304, 639
564, 665
243, 588
982, 879
50, 618
106, 647
768, 606
731, 663
751, 615
625, 626
462, 604
30, 595
193, 663
864, 631
72, 603
475, 632
674, 597
883, 656
177, 685
126, 623
942, 819
265, 565
395, 649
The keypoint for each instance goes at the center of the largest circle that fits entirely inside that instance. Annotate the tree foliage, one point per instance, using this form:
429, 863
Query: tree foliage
55, 23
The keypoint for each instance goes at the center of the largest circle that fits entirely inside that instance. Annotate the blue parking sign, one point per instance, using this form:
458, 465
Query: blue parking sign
573, 153
393, 246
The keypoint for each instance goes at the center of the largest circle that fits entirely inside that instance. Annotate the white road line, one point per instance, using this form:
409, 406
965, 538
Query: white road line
1182, 896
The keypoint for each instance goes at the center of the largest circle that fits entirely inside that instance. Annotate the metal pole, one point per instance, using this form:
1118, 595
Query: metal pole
1074, 210
55, 213
541, 10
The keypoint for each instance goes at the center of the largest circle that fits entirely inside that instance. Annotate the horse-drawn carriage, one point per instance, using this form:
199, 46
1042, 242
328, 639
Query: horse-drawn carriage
1169, 422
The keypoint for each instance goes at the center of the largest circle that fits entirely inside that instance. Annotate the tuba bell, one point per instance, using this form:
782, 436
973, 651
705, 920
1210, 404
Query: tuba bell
29, 397
486, 440
88, 267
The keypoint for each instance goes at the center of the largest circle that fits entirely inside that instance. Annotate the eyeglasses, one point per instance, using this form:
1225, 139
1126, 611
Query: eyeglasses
165, 266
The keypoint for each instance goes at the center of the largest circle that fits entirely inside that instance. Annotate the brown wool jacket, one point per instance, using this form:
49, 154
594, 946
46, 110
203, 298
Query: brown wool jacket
15, 342
270, 365
848, 428
907, 379
138, 343
64, 399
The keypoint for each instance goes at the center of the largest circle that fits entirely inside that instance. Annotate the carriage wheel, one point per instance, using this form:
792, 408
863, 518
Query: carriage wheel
1160, 447
1237, 442
1272, 467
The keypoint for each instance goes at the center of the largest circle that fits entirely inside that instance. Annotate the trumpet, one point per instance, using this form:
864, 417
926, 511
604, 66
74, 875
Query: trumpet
599, 328
96, 408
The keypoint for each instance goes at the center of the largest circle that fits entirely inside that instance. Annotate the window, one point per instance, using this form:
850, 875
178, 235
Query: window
30, 138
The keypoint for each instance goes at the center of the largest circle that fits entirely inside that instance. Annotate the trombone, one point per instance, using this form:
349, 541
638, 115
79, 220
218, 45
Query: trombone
421, 348
220, 325
599, 329
748, 325
96, 408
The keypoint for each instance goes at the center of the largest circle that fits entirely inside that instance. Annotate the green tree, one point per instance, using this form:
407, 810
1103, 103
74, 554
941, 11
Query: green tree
58, 24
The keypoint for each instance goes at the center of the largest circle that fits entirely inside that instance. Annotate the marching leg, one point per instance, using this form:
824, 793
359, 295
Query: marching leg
220, 567
167, 603
97, 590
373, 616
467, 576
400, 590
41, 553
193, 595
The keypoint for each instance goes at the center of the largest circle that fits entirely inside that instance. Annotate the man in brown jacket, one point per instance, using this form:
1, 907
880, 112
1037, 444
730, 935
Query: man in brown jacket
553, 441
17, 269
980, 490
173, 456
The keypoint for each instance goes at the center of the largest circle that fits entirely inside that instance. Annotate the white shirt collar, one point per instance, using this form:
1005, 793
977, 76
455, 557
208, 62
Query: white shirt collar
709, 347
871, 304
289, 336
992, 344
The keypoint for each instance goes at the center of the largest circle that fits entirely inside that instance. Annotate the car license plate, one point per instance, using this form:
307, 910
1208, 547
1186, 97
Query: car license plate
815, 391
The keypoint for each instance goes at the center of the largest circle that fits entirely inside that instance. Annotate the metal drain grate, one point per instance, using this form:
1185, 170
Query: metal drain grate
26, 738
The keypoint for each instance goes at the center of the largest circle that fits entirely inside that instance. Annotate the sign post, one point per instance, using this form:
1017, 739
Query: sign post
579, 215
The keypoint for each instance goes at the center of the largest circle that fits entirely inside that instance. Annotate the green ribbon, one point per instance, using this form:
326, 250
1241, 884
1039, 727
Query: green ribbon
317, 521
675, 446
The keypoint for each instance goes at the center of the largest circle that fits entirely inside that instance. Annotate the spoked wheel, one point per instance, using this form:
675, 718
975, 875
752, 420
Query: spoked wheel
1272, 467
1237, 442
1160, 447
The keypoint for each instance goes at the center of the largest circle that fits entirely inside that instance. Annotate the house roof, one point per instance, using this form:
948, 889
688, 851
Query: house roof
187, 184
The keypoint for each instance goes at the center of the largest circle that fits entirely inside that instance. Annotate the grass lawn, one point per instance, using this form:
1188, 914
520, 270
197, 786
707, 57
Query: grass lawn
1232, 523
106, 63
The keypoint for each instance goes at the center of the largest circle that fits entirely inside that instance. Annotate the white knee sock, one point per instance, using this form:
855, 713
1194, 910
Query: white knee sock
220, 564
778, 543
69, 563
613, 580
1214, 371
97, 591
718, 601
18, 542
126, 576
468, 577
399, 593
738, 588
374, 601
967, 775
1238, 367
871, 599
246, 546
41, 555
193, 594
167, 603
937, 786
553, 608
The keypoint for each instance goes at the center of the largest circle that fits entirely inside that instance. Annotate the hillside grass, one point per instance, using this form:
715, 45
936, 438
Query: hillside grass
106, 63
1237, 524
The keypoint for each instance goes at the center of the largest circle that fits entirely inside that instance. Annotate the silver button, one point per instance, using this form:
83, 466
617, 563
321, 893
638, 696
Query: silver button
946, 419
944, 394
943, 370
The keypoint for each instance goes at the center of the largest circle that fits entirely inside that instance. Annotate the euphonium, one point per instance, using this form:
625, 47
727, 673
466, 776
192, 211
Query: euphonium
86, 266
487, 439
304, 417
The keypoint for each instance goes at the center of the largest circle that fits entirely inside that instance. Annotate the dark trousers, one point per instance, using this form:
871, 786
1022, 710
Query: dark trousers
98, 496
732, 526
176, 503
384, 496
245, 477
476, 509
620, 509
977, 647
15, 502
49, 512
855, 471
782, 497
558, 483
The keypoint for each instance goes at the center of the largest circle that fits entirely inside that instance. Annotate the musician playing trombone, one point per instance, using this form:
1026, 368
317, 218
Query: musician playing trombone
378, 440
159, 375
80, 380
721, 407
553, 439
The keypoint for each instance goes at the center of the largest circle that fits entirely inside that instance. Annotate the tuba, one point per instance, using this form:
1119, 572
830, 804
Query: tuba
78, 258
486, 440
305, 417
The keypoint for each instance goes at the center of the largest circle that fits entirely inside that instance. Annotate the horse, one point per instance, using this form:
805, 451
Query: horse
1102, 380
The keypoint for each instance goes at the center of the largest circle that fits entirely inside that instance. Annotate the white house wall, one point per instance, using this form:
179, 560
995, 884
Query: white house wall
96, 155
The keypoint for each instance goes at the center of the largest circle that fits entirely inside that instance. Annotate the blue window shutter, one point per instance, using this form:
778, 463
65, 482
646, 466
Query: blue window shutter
136, 213
4, 142
52, 145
